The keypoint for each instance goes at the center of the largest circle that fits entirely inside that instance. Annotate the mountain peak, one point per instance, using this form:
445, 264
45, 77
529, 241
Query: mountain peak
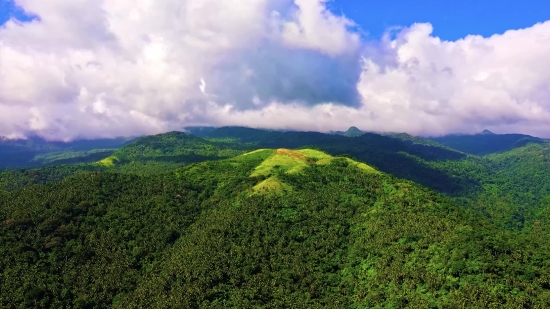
487, 132
353, 131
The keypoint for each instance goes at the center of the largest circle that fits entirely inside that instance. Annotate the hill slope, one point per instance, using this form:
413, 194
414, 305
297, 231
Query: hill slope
334, 234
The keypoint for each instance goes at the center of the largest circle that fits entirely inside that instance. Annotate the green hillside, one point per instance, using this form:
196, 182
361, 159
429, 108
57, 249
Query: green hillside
343, 235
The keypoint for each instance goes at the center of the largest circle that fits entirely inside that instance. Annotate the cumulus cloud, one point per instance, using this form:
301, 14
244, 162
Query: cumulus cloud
117, 67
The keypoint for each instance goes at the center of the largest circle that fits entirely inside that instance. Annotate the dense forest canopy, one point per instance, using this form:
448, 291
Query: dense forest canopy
243, 218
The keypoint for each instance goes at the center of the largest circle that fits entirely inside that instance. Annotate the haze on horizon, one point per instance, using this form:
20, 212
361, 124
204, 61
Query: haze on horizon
106, 68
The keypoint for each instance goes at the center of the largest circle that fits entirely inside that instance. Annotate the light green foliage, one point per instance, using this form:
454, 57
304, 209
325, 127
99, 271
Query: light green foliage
290, 162
110, 161
314, 154
293, 161
283, 160
271, 185
362, 166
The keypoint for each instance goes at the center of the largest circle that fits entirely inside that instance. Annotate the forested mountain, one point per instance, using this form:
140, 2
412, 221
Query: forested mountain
486, 142
269, 228
351, 132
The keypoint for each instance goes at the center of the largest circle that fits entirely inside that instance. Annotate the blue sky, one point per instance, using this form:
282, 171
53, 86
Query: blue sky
451, 19
9, 10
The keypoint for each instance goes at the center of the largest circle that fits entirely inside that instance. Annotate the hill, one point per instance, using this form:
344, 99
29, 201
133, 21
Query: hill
486, 142
210, 235
488, 184
402, 158
167, 151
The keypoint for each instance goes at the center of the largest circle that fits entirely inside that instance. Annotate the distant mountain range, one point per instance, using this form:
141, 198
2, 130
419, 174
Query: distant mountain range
36, 152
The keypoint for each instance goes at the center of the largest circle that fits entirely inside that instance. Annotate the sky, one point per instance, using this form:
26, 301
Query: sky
106, 68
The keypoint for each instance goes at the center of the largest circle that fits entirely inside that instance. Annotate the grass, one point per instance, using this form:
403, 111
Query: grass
293, 161
289, 162
108, 162
285, 160
363, 166
271, 185
256, 151
314, 154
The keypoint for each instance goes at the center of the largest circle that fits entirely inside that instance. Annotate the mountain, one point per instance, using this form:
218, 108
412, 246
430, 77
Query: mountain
276, 228
486, 142
351, 132
198, 130
35, 152
146, 155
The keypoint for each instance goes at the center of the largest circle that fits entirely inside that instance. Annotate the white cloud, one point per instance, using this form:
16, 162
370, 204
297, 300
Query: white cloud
315, 27
118, 67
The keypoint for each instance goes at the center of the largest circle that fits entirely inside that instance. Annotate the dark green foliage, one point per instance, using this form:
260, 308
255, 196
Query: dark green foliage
506, 188
198, 238
80, 242
486, 142
337, 237
145, 156
16, 179
165, 152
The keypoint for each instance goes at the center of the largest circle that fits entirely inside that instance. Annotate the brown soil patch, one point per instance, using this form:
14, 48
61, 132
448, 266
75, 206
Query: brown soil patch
291, 153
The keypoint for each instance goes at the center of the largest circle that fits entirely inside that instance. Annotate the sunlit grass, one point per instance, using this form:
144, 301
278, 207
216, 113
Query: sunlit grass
290, 162
108, 162
271, 185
